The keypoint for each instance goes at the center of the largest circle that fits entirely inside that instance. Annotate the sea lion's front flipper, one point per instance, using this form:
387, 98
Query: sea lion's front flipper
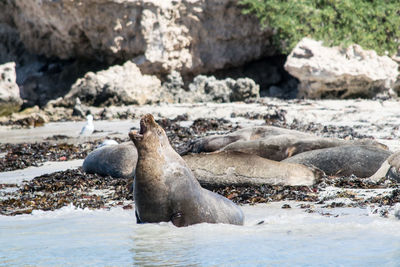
178, 220
138, 221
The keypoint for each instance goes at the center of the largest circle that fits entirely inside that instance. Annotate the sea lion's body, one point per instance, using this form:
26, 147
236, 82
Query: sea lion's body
118, 161
272, 142
165, 188
215, 142
225, 168
362, 161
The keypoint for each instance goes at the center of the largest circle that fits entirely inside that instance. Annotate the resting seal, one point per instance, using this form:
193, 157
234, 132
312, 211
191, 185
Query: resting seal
225, 168
215, 142
362, 161
165, 188
270, 142
118, 161
389, 169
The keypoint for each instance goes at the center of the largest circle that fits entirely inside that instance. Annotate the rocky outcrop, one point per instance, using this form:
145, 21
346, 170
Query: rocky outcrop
209, 89
117, 85
10, 100
187, 36
27, 118
40, 79
127, 85
338, 72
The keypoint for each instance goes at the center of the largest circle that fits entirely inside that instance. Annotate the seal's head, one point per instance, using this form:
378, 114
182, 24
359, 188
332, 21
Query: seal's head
151, 135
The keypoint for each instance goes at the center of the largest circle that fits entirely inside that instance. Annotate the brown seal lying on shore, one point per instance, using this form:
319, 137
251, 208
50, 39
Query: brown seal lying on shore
235, 168
215, 142
284, 146
165, 188
362, 161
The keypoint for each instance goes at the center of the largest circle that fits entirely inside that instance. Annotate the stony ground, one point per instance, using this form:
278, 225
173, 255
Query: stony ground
55, 190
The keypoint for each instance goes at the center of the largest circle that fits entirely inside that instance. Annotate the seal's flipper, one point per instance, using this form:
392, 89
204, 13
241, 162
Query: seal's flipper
138, 221
178, 220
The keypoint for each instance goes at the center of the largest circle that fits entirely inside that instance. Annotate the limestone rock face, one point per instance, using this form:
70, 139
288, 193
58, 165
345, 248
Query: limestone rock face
10, 100
117, 85
339, 73
189, 36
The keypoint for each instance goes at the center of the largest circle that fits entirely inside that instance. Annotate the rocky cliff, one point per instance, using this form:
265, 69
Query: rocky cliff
190, 36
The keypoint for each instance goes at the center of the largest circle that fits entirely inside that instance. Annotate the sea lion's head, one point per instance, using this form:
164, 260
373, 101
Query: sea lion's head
151, 135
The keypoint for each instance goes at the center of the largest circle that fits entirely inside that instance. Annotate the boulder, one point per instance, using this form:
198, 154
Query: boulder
28, 118
116, 85
209, 89
339, 72
187, 36
10, 100
127, 85
233, 168
118, 161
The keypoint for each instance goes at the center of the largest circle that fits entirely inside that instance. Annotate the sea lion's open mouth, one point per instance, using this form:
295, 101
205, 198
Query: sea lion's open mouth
145, 123
143, 127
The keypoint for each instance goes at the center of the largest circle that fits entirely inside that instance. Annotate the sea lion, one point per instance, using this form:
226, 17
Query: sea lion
118, 161
394, 162
362, 161
282, 146
234, 168
165, 188
216, 142
390, 168
270, 142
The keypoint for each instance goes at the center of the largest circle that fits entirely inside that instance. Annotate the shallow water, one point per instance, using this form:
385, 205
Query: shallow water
27, 174
287, 237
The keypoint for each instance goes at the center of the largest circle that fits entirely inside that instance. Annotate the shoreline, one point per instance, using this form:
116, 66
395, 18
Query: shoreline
351, 119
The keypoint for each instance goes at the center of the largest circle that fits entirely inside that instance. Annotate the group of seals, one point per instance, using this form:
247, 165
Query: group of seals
333, 156
165, 188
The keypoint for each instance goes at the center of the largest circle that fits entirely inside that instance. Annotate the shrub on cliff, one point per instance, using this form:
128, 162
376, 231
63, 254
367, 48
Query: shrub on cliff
371, 24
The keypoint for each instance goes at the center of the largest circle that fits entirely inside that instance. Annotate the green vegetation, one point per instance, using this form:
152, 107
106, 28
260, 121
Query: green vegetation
373, 24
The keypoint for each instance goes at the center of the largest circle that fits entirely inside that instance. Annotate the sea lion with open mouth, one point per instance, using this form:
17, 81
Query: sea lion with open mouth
166, 189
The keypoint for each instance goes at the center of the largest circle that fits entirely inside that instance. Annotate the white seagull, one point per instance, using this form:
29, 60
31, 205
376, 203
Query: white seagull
89, 127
